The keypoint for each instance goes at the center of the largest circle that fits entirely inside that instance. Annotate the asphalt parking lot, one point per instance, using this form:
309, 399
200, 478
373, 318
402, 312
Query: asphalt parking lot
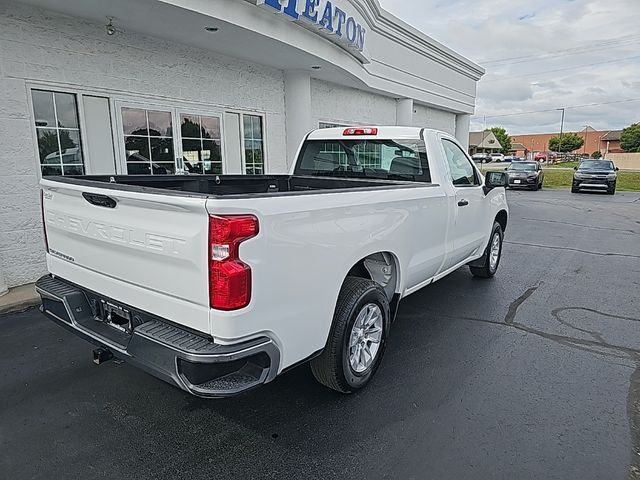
534, 374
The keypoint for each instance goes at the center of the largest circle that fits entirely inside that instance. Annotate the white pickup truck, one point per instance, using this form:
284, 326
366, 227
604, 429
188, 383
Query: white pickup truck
218, 284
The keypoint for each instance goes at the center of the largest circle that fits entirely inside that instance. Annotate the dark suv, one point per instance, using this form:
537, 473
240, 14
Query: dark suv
525, 175
595, 174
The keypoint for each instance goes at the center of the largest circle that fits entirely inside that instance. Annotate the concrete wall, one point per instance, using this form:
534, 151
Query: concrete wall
338, 104
433, 118
42, 47
625, 161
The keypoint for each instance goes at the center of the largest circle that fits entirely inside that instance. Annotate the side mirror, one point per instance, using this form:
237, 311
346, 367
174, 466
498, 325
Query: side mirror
494, 180
575, 168
617, 169
506, 168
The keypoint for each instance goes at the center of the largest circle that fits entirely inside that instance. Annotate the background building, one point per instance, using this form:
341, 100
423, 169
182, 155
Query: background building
222, 86
483, 142
595, 141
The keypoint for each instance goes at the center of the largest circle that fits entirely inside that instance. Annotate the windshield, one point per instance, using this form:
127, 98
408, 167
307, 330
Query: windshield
596, 165
365, 158
523, 167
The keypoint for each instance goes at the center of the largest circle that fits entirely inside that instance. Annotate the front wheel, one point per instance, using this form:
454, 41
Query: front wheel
357, 338
611, 190
492, 255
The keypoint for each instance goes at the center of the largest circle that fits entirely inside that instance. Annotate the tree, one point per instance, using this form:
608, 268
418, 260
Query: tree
503, 137
570, 142
596, 155
630, 138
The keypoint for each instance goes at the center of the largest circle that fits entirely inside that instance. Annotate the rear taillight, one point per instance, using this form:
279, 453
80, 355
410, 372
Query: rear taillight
229, 278
44, 225
360, 131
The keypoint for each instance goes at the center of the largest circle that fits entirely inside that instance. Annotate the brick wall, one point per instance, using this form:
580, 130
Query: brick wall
540, 142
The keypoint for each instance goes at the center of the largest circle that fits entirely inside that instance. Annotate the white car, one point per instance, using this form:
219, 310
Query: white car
218, 284
497, 157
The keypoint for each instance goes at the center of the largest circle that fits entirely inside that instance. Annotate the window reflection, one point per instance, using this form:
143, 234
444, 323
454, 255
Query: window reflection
201, 144
148, 140
57, 128
253, 145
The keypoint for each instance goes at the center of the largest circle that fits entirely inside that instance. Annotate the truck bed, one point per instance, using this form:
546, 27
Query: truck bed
227, 185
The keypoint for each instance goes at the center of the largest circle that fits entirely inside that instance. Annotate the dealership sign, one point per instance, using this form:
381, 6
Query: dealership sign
325, 17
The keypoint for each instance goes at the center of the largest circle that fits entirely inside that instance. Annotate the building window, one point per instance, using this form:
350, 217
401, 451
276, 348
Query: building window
148, 141
201, 144
253, 145
58, 130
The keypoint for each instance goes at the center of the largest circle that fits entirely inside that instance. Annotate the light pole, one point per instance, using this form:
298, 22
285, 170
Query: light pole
561, 130
586, 130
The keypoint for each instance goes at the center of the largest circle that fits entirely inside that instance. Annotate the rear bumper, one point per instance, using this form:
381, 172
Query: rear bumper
190, 361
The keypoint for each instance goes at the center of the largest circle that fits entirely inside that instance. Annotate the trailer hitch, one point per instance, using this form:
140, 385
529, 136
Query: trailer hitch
101, 355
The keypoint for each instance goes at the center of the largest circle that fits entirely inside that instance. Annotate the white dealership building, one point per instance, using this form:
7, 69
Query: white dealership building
199, 86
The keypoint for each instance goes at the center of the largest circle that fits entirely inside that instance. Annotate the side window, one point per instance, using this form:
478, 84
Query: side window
462, 172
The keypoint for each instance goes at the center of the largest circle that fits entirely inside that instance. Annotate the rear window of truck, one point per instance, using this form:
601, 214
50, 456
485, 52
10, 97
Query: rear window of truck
365, 158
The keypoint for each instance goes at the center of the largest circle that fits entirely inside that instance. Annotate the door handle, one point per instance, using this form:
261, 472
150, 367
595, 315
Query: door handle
463, 203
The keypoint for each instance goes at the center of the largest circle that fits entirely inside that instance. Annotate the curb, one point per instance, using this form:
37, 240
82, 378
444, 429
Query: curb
19, 299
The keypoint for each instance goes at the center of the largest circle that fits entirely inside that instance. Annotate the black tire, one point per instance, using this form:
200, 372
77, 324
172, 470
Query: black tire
541, 184
612, 189
486, 270
575, 190
332, 368
535, 187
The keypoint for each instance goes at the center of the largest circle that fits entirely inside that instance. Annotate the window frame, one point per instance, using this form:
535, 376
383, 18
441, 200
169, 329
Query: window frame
476, 172
30, 87
219, 114
265, 141
121, 135
252, 139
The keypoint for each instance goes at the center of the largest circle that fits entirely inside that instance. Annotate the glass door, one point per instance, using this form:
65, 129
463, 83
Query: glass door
148, 141
200, 143
161, 140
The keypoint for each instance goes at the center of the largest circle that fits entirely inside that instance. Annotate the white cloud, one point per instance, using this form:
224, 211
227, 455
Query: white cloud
562, 53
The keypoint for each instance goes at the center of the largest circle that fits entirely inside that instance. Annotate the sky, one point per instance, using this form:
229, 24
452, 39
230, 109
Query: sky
541, 55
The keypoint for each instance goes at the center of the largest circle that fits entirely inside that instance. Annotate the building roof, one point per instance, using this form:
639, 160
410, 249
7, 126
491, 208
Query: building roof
613, 135
517, 146
484, 139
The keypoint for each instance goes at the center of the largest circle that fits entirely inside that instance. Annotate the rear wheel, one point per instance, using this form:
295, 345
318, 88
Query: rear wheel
357, 338
492, 255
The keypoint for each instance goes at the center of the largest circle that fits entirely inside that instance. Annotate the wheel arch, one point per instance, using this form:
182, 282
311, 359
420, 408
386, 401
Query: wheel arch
383, 268
502, 218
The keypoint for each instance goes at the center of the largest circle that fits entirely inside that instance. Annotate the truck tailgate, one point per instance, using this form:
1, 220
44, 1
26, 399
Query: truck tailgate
143, 249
